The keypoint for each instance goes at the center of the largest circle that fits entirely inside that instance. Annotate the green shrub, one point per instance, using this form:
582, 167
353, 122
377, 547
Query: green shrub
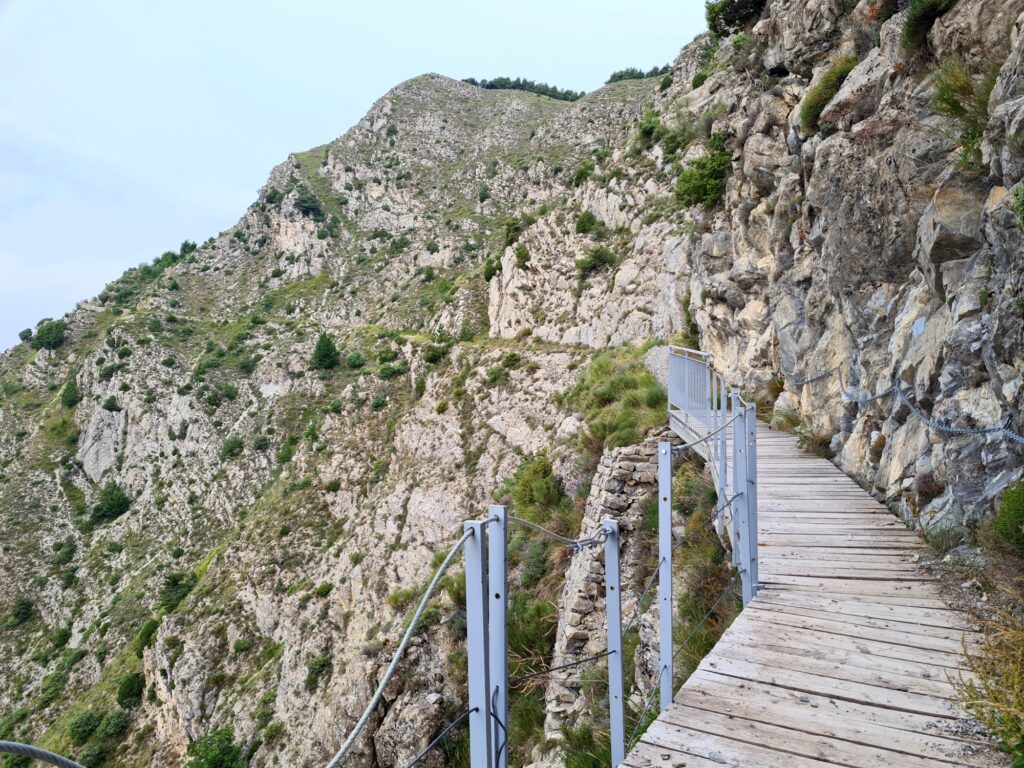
597, 258
70, 396
522, 256
114, 725
316, 670
666, 83
25, 334
432, 246
49, 334
703, 182
536, 494
582, 749
260, 443
232, 447
129, 690
491, 268
1018, 206
587, 223
1008, 524
215, 750
726, 16
921, 16
963, 97
111, 404
21, 612
823, 92
435, 353
112, 503
389, 371
307, 204
584, 172
323, 590
144, 639
82, 726
325, 354
174, 589
378, 402
355, 360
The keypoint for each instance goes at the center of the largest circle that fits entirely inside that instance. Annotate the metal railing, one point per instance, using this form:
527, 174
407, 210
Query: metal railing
484, 545
716, 423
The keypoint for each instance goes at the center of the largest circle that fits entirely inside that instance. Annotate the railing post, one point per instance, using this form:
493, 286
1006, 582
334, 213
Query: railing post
476, 647
612, 591
665, 573
741, 504
737, 465
751, 428
723, 442
497, 618
707, 395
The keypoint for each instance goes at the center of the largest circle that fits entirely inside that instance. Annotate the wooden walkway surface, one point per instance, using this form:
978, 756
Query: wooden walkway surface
849, 655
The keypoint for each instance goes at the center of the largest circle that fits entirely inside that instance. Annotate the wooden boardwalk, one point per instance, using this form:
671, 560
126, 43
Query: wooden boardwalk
849, 655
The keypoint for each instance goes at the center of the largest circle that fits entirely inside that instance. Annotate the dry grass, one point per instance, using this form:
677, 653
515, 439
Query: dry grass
995, 695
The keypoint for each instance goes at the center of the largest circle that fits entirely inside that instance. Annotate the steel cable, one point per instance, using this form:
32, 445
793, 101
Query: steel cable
34, 753
523, 678
693, 633
440, 736
364, 719
915, 410
599, 537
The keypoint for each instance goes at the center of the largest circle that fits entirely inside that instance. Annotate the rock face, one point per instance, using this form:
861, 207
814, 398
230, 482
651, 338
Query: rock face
469, 251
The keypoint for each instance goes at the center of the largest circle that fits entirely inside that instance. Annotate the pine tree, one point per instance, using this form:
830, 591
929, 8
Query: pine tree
325, 355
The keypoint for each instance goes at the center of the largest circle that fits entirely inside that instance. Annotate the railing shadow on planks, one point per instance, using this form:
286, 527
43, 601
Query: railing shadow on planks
712, 421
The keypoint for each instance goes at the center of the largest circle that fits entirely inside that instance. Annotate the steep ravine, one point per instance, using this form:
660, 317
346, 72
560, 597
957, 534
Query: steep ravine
470, 253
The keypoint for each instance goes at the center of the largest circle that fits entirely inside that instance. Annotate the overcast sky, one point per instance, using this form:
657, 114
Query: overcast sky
127, 127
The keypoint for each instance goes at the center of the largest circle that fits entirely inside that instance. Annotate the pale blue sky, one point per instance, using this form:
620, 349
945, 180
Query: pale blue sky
127, 127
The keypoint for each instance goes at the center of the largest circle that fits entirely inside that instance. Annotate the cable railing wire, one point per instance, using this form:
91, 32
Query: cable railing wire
364, 719
693, 633
437, 739
915, 410
34, 753
531, 675
596, 539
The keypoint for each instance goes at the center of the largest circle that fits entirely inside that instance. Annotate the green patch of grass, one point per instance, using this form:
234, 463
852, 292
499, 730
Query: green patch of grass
620, 400
819, 96
921, 16
963, 97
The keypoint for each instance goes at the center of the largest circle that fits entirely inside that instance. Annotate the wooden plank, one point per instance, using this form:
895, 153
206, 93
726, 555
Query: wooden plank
836, 665
795, 741
827, 686
872, 654
722, 749
912, 635
831, 718
938, 617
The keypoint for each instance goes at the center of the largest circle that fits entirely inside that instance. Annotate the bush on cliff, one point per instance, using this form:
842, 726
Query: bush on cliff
703, 182
921, 16
1009, 522
823, 92
726, 16
963, 97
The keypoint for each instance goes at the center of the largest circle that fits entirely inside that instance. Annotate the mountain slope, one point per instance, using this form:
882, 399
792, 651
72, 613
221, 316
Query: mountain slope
469, 252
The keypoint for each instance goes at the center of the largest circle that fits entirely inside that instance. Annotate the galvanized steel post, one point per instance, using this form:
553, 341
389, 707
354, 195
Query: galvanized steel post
476, 647
497, 639
612, 589
665, 573
751, 429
